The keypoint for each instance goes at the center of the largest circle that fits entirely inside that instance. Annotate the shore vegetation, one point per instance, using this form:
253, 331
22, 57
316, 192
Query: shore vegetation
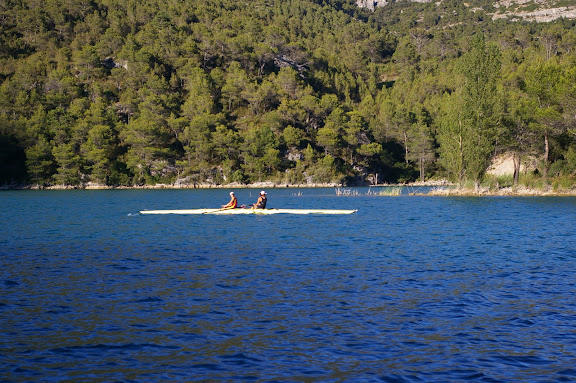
109, 93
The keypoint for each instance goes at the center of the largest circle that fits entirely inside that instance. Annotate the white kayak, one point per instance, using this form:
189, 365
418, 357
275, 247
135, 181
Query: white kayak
248, 211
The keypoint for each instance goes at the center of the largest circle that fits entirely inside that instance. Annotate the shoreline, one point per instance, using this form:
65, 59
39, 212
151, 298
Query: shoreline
502, 192
440, 188
255, 185
270, 185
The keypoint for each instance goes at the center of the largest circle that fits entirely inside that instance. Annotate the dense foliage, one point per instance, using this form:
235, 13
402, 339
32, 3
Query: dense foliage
293, 91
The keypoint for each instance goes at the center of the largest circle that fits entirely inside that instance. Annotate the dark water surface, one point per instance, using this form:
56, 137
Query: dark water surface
409, 289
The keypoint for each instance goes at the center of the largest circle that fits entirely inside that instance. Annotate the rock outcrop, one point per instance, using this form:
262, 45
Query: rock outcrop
371, 4
545, 10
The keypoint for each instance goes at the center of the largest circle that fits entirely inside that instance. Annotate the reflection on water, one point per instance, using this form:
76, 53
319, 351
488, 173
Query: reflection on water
408, 289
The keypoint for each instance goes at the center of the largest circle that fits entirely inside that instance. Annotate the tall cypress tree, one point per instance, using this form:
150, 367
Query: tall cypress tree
479, 112
482, 104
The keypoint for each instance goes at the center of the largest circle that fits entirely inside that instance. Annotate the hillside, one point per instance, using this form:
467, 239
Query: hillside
540, 11
525, 10
291, 92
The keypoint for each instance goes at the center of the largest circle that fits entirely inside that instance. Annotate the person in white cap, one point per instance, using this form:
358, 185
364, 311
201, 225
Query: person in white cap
261, 203
233, 202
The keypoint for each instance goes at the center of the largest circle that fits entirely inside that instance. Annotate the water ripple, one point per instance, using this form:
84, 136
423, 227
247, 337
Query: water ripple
407, 290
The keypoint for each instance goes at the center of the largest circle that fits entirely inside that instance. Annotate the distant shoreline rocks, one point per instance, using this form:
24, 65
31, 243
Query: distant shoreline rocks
437, 188
515, 191
96, 186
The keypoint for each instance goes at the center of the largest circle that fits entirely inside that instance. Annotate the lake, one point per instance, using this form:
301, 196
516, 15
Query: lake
408, 289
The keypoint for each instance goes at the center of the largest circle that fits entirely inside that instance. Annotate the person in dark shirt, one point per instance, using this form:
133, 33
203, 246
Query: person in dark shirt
261, 203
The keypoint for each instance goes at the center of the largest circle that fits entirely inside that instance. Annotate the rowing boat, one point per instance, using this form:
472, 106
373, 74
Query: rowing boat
248, 211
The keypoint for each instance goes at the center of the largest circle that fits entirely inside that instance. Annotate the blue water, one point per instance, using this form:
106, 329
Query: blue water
409, 289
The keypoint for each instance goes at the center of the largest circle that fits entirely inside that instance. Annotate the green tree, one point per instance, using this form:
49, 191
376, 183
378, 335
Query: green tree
421, 145
371, 154
260, 152
470, 133
544, 84
197, 139
452, 136
236, 82
101, 151
292, 136
330, 135
149, 153
40, 162
200, 99
355, 133
69, 164
226, 144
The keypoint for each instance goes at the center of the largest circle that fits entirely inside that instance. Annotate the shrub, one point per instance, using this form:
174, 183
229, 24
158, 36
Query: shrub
531, 180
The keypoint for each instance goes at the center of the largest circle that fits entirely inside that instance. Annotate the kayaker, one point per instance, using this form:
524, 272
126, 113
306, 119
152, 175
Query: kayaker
261, 203
233, 202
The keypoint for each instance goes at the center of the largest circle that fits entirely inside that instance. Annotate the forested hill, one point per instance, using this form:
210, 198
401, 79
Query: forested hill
292, 91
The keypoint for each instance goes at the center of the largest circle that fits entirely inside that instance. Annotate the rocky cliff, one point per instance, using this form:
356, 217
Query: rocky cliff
371, 4
529, 10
